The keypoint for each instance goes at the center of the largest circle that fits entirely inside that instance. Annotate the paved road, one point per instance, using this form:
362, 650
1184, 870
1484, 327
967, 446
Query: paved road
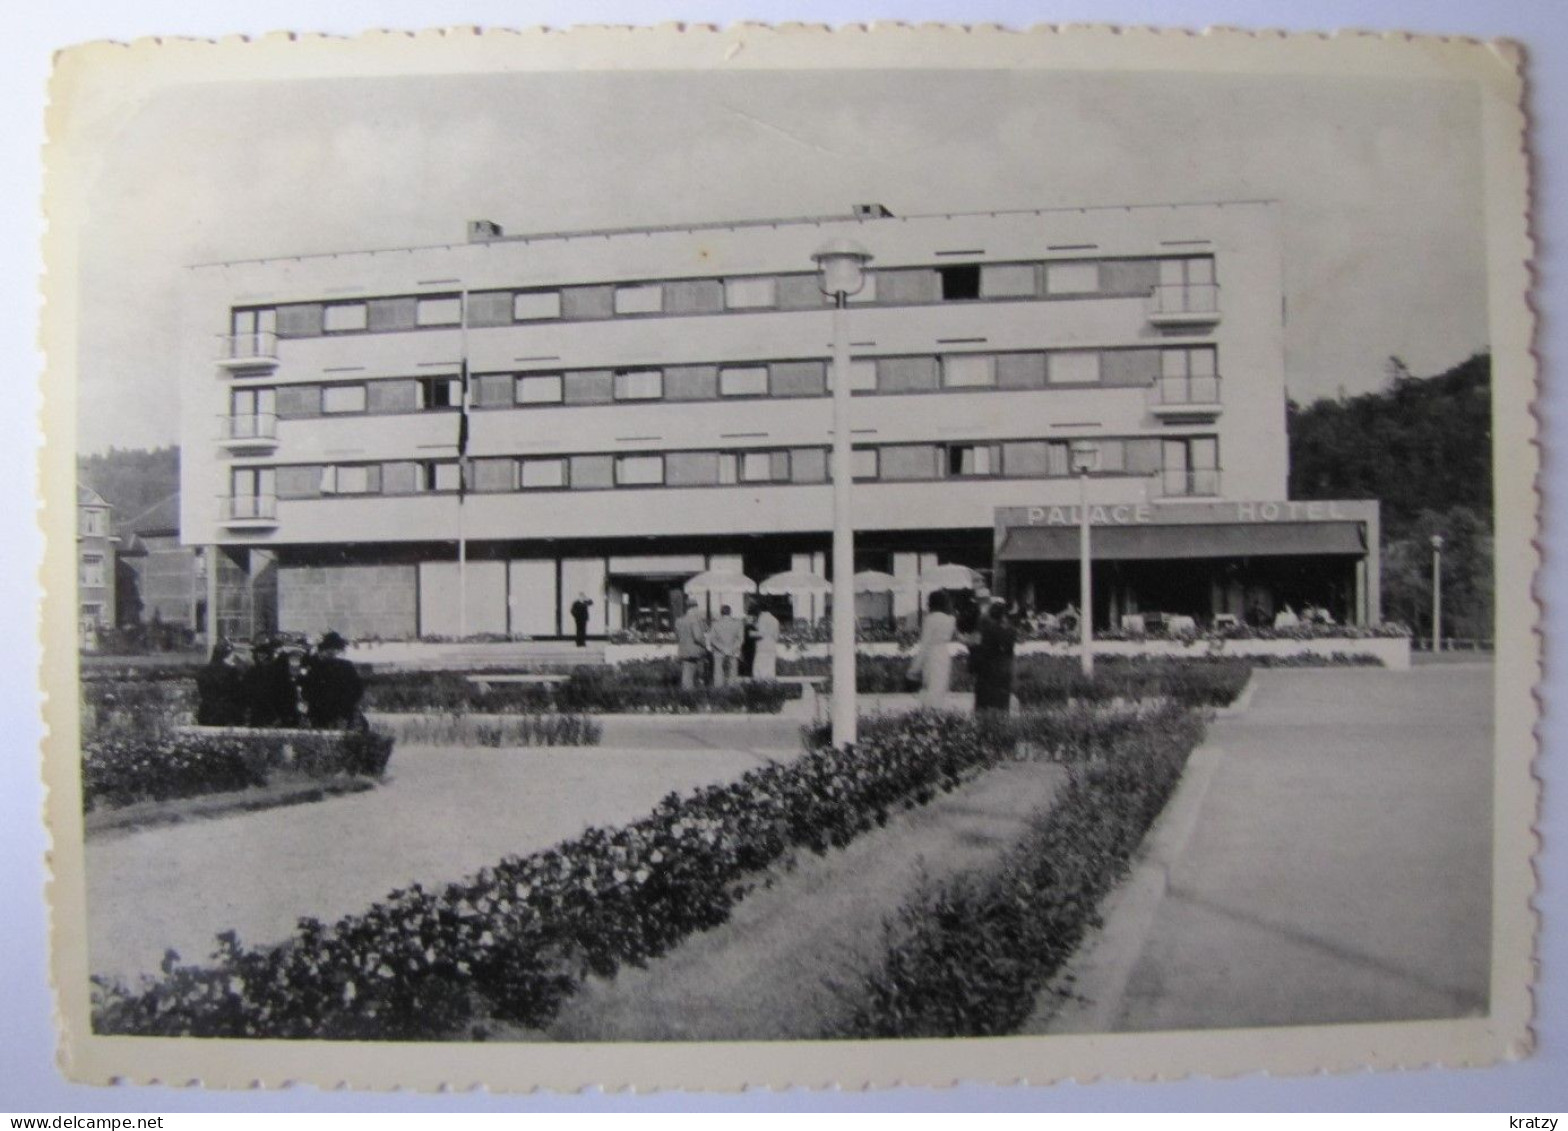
1340, 867
444, 814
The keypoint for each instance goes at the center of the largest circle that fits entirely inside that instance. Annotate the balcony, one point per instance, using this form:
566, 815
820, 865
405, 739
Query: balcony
1187, 483
255, 350
1185, 305
248, 512
256, 431
1185, 399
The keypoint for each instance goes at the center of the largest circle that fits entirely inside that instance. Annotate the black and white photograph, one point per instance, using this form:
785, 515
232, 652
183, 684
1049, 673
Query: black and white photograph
812, 547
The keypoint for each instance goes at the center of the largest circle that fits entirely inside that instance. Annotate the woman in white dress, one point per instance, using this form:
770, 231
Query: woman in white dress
933, 659
765, 661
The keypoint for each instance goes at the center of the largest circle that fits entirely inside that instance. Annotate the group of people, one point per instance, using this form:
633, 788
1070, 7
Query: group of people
992, 640
725, 646
280, 686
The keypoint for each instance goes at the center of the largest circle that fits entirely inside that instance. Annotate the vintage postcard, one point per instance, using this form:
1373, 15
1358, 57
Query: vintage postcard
698, 558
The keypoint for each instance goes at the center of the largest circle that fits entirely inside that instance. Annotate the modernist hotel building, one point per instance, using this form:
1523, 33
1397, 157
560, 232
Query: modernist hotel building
647, 404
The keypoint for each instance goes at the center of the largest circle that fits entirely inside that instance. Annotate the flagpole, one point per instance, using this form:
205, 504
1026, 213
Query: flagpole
462, 472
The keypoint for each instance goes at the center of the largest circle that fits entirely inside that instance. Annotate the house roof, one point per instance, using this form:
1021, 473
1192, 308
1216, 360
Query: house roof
163, 517
87, 497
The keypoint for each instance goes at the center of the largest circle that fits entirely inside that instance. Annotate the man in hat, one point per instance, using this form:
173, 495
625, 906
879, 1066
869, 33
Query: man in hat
726, 639
332, 688
580, 609
269, 687
691, 645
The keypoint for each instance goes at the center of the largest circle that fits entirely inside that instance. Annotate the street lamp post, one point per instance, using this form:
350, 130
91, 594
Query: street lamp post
842, 266
1437, 593
1086, 459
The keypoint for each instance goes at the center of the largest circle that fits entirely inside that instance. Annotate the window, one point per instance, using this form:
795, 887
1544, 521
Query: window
263, 321
440, 392
93, 522
251, 491
344, 317
863, 463
744, 381
492, 390
808, 465
541, 474
532, 306
747, 294
764, 467
691, 469
646, 299
493, 474
590, 472
340, 480
1186, 286
639, 471
908, 461
968, 371
343, 398
1074, 367
444, 311
1008, 280
1072, 278
862, 377
966, 461
440, 476
729, 469
251, 402
961, 282
543, 388
92, 570
1191, 466
1187, 376
639, 384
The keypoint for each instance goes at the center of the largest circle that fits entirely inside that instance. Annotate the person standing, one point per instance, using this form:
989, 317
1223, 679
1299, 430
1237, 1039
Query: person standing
991, 661
220, 689
580, 609
726, 639
333, 688
691, 647
765, 660
933, 660
269, 688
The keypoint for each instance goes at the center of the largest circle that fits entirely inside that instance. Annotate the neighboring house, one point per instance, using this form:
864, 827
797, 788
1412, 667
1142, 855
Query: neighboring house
95, 566
641, 405
159, 580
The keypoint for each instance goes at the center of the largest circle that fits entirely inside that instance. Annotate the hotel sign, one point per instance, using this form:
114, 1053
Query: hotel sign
1240, 511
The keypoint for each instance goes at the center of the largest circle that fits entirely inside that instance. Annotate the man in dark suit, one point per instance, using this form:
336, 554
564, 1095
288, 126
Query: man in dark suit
333, 688
580, 609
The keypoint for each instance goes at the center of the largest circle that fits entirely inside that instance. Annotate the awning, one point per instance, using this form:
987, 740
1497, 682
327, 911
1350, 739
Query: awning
1189, 540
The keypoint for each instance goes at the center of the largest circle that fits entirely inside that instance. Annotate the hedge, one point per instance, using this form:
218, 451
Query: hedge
124, 767
515, 940
969, 957
649, 686
1048, 680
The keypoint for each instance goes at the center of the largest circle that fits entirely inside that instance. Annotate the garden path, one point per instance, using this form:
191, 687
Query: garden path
443, 814
767, 973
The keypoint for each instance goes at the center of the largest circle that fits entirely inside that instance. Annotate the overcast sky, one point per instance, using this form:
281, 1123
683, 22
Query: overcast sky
1380, 183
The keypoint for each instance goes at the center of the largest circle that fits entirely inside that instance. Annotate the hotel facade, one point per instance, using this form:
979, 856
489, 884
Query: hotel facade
609, 413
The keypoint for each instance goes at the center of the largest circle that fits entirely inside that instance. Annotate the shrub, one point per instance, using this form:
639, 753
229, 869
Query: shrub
523, 730
516, 939
651, 686
122, 768
969, 957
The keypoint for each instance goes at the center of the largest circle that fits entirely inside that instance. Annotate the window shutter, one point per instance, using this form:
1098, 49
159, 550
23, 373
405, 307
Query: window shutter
808, 465
399, 478
907, 285
490, 308
1129, 276
1020, 371
691, 469
593, 471
694, 296
798, 379
493, 390
1129, 368
300, 320
800, 292
588, 302
907, 374
299, 482
909, 461
391, 314
590, 386
691, 383
299, 400
393, 396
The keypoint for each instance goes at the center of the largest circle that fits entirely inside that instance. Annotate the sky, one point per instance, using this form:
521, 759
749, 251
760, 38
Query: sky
1380, 183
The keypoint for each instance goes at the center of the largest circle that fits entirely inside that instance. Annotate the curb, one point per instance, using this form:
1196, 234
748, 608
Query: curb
1239, 705
1103, 964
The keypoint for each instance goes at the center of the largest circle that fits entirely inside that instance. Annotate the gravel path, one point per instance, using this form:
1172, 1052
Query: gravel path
443, 814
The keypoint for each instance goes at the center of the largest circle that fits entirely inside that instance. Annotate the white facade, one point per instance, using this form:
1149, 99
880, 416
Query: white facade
659, 395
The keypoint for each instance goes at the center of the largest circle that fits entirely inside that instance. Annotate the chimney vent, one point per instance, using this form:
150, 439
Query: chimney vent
872, 212
483, 231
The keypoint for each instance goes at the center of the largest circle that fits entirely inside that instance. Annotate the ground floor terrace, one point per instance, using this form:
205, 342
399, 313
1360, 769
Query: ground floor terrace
1214, 563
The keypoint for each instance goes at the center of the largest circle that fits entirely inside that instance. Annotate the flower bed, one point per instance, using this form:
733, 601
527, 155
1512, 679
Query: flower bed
513, 941
651, 686
1040, 680
121, 767
968, 958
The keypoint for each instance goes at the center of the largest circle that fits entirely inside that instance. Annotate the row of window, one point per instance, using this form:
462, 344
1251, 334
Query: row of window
897, 286
1183, 374
1010, 459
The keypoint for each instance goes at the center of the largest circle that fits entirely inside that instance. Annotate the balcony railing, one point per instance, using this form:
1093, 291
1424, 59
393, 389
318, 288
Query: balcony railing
255, 429
1176, 483
1185, 397
1185, 304
243, 351
247, 510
